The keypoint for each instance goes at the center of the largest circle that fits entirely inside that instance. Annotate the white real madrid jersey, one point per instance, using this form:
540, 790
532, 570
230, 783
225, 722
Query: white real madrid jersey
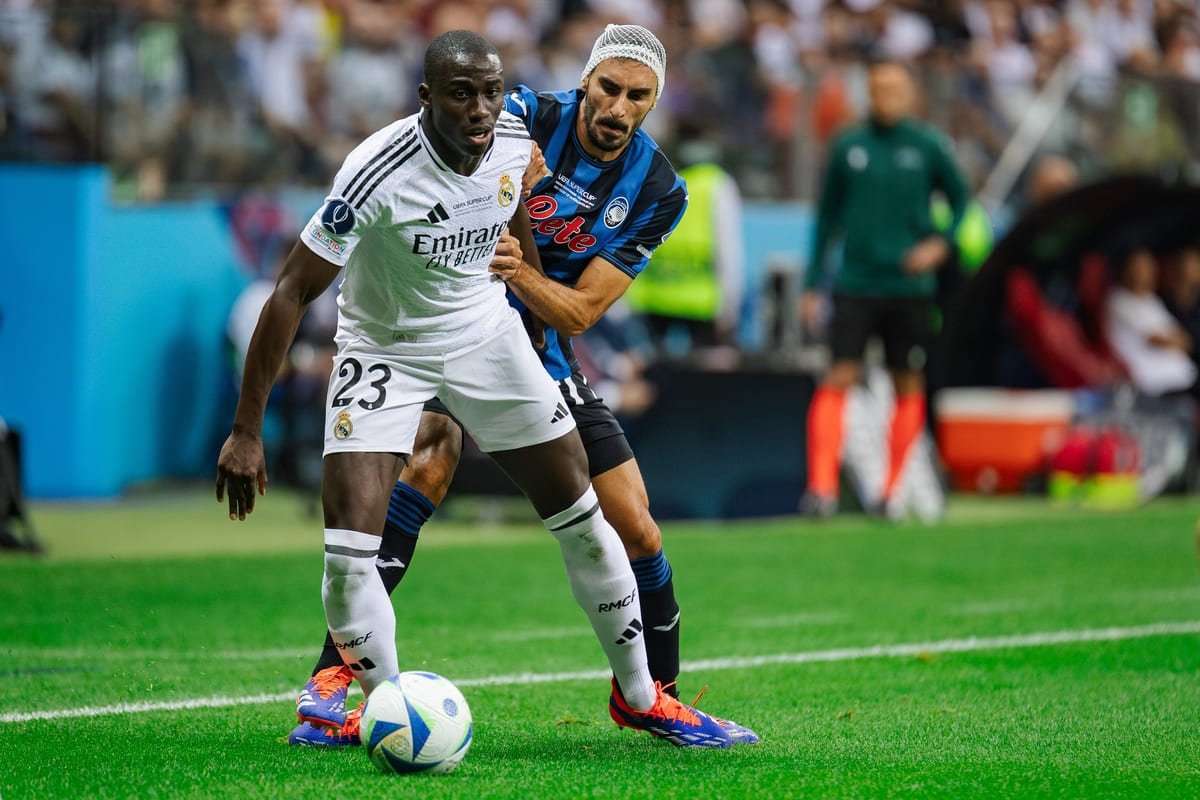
415, 238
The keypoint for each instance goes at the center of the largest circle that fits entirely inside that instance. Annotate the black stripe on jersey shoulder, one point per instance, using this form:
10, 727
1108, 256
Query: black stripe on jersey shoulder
512, 134
387, 168
399, 143
408, 154
660, 184
510, 123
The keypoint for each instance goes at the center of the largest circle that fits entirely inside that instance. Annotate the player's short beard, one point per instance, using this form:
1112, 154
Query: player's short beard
590, 126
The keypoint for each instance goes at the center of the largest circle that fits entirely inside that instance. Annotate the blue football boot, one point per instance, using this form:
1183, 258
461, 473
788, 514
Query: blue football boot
307, 735
669, 719
322, 701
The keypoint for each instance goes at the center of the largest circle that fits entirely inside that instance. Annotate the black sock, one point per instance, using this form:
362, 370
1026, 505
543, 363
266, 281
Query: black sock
408, 510
660, 613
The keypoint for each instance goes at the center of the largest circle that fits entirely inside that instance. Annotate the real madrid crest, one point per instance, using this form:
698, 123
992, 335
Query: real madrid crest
508, 191
342, 426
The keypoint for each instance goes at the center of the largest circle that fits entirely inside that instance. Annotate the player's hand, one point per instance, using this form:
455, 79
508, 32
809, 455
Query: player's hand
926, 255
241, 469
509, 259
536, 170
812, 312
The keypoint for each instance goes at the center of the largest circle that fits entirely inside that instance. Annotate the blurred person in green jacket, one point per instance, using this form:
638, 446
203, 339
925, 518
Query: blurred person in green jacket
879, 182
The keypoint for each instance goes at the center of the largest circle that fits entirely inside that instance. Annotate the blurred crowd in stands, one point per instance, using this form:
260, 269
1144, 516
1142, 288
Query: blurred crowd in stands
175, 94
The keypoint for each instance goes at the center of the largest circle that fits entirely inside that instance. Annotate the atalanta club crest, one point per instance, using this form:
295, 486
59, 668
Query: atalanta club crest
508, 192
614, 213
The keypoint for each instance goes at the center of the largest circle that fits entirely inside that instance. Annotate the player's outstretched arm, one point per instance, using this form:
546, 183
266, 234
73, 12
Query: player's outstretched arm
241, 467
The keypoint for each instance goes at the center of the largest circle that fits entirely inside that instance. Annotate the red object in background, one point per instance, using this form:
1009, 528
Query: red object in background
1087, 450
1055, 340
831, 108
994, 440
1075, 454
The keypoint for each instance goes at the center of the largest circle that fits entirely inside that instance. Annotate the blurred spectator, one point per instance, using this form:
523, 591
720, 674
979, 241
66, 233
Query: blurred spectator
1151, 343
370, 79
877, 199
221, 133
1048, 176
282, 53
1051, 176
54, 85
1007, 62
181, 94
1181, 293
890, 30
146, 86
1149, 139
1179, 38
1089, 27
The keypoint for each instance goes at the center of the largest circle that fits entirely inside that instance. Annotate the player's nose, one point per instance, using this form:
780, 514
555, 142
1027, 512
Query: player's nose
478, 109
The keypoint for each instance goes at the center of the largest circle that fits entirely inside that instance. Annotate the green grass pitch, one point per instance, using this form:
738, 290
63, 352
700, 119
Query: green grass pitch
1016, 650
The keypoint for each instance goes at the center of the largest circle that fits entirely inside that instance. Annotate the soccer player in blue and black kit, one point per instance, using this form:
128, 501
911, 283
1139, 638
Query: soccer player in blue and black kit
609, 198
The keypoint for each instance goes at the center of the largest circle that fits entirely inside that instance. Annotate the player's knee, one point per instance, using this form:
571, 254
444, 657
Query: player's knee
640, 535
908, 382
342, 569
842, 375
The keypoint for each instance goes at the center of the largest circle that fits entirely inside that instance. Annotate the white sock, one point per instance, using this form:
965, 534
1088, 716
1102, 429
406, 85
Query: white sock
357, 608
603, 584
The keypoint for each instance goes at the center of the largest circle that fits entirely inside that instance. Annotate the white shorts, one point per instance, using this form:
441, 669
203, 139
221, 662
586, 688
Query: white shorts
498, 389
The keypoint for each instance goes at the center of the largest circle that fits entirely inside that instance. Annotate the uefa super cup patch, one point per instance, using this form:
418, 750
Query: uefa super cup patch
337, 218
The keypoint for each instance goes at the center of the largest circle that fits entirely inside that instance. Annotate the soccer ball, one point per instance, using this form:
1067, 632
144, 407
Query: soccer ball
420, 724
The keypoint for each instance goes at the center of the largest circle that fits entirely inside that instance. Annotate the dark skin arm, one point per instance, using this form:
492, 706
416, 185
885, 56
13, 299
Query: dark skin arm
241, 467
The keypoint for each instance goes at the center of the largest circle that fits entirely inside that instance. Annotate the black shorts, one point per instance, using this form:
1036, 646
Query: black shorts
905, 325
602, 436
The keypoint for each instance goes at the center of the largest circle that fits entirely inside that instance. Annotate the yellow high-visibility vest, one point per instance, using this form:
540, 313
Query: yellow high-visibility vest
681, 279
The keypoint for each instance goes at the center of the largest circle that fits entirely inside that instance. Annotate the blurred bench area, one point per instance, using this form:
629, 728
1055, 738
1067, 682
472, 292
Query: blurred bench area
158, 156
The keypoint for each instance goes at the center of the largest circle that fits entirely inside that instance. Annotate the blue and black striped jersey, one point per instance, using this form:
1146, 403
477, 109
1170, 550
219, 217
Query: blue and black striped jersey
618, 210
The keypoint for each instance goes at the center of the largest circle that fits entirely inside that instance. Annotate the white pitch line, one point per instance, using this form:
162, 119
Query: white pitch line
970, 644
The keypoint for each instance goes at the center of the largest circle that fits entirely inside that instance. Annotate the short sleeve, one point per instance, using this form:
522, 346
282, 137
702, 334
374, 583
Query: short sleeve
631, 250
333, 231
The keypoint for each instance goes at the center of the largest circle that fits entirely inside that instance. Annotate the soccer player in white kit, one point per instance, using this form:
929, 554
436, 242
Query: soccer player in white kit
412, 224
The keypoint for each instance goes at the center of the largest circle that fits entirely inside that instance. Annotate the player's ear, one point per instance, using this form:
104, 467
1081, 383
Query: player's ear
425, 95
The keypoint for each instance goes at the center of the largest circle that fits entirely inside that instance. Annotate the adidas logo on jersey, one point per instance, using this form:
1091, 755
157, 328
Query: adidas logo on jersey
437, 214
559, 413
